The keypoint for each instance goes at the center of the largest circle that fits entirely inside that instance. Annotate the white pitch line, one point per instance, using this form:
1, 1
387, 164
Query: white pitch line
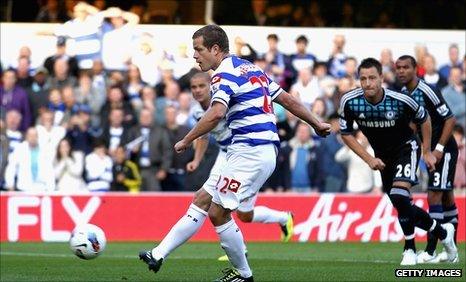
191, 257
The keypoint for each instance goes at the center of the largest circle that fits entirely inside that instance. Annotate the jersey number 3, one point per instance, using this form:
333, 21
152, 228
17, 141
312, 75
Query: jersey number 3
264, 84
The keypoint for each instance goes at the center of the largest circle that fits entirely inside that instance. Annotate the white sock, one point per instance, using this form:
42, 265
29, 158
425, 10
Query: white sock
265, 215
231, 240
184, 229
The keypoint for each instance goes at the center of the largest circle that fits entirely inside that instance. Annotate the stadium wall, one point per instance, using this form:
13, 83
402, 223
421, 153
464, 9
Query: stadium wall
149, 216
360, 43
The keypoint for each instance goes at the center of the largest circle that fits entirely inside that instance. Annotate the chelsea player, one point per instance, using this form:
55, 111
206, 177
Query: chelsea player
384, 116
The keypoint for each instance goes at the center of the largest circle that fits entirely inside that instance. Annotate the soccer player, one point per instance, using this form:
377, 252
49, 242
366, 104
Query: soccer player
243, 93
384, 116
440, 190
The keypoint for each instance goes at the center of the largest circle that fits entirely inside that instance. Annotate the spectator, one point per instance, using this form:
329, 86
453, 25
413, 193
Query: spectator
79, 132
388, 68
336, 63
84, 28
313, 16
115, 134
115, 99
38, 93
13, 135
183, 111
361, 178
56, 105
4, 151
306, 87
60, 53
275, 59
117, 38
23, 73
148, 59
99, 80
151, 150
62, 75
14, 97
420, 52
69, 101
453, 55
432, 77
49, 134
302, 157
68, 166
351, 68
176, 176
87, 93
148, 98
244, 50
302, 59
460, 174
134, 86
166, 68
332, 175
98, 166
126, 177
455, 96
52, 12
183, 63
31, 166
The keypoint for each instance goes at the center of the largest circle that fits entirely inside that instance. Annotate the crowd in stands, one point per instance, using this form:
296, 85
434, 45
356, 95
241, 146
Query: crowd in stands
107, 118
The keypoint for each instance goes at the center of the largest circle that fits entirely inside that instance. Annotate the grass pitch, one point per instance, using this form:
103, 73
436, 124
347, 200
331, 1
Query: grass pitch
198, 262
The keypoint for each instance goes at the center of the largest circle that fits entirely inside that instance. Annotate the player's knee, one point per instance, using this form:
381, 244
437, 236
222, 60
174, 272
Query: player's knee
399, 197
202, 199
218, 215
245, 216
448, 198
434, 197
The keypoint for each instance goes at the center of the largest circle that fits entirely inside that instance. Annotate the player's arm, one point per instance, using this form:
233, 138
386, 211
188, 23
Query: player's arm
445, 112
295, 106
209, 121
200, 147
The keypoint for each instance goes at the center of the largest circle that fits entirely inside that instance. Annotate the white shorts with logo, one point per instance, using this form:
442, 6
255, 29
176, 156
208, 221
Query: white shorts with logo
240, 178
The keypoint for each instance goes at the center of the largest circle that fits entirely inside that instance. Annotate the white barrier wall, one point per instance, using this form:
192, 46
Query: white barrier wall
360, 43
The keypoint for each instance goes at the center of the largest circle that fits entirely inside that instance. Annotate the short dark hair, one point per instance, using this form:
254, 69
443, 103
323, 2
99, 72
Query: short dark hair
409, 58
272, 36
369, 63
203, 75
213, 34
302, 38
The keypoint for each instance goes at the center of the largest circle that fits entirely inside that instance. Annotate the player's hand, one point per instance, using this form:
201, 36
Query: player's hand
192, 165
322, 129
181, 146
161, 174
376, 164
438, 155
430, 160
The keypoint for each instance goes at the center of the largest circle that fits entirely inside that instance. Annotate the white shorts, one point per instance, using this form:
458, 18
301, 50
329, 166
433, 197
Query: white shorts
246, 170
215, 172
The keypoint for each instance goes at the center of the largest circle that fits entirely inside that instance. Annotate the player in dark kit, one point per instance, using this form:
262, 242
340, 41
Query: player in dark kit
440, 190
384, 116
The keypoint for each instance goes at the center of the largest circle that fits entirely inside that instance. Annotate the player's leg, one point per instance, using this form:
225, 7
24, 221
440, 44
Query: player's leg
434, 199
403, 165
248, 212
192, 221
185, 228
231, 240
246, 171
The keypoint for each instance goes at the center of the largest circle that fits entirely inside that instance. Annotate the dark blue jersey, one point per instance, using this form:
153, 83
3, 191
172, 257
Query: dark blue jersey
385, 124
435, 105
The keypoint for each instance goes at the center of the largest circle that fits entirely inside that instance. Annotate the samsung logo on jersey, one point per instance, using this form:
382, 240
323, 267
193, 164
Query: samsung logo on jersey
381, 123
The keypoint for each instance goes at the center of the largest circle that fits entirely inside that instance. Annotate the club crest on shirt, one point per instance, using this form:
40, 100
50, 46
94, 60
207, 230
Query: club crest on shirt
390, 115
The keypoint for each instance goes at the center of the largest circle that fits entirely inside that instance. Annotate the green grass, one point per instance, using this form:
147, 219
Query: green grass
197, 262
